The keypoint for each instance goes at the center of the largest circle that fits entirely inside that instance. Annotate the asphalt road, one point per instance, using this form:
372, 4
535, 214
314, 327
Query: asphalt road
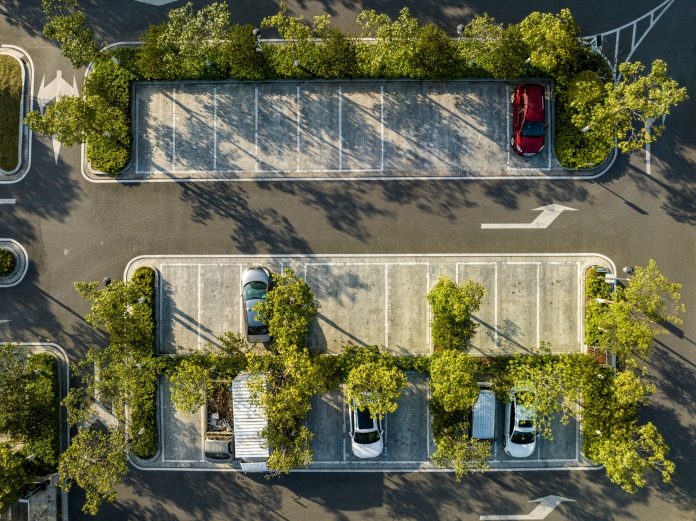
76, 230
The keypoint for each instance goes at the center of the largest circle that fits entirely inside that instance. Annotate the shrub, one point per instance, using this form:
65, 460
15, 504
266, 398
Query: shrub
433, 54
452, 306
336, 56
7, 262
453, 380
237, 55
111, 82
595, 285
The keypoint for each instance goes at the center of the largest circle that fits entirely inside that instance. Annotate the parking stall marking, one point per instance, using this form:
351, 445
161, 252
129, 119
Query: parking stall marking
173, 130
297, 166
215, 108
256, 129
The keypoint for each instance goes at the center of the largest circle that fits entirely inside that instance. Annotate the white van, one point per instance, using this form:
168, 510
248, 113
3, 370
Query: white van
483, 416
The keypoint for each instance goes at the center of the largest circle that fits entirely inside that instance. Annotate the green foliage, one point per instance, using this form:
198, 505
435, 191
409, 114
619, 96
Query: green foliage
595, 285
336, 55
288, 310
111, 82
12, 477
29, 404
595, 322
96, 462
375, 386
455, 447
391, 54
453, 380
433, 54
632, 105
552, 41
452, 306
70, 120
182, 47
283, 386
650, 292
420, 364
237, 55
11, 86
493, 50
127, 366
630, 454
68, 26
192, 383
7, 262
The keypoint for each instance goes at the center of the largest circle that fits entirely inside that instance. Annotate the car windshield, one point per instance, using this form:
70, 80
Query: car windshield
365, 420
526, 424
522, 438
366, 437
255, 291
533, 129
258, 330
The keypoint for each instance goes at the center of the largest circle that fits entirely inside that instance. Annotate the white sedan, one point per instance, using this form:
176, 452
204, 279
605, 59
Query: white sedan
520, 429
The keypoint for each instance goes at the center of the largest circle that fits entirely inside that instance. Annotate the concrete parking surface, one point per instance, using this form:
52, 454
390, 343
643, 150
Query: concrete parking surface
381, 300
328, 129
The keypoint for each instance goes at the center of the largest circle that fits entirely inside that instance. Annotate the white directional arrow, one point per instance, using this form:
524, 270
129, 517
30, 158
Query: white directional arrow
549, 213
546, 505
47, 93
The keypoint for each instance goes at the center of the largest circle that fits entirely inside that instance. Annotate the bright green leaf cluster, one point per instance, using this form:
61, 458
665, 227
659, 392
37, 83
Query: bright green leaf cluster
453, 305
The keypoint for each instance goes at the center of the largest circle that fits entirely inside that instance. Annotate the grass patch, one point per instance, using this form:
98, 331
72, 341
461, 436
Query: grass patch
7, 262
10, 98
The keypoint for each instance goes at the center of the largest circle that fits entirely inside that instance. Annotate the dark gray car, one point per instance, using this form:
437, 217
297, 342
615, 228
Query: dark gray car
255, 284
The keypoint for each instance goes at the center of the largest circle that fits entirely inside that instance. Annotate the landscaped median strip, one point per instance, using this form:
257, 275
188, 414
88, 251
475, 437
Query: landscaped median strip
11, 86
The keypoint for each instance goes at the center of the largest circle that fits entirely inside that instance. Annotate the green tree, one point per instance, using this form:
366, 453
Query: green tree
391, 54
455, 447
452, 306
283, 386
336, 56
652, 294
493, 50
96, 462
238, 57
631, 453
192, 384
552, 41
182, 47
12, 477
631, 107
433, 54
68, 26
375, 386
453, 381
288, 310
15, 405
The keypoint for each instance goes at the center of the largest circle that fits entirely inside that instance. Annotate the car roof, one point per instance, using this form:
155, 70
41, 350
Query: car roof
365, 422
535, 102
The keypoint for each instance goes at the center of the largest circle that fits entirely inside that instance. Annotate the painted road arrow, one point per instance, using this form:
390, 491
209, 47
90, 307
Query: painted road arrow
549, 213
546, 505
47, 93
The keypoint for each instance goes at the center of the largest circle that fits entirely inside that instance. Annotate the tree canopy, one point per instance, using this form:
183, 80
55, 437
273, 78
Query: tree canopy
453, 305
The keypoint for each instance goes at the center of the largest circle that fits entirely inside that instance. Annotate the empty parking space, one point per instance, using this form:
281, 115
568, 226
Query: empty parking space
381, 300
328, 421
181, 435
232, 130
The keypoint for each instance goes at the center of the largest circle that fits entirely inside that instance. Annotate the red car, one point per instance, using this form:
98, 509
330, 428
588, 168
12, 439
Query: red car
528, 119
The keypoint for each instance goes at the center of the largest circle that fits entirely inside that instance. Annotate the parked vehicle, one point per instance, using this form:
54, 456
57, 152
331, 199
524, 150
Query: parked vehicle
219, 432
366, 433
483, 416
520, 427
528, 119
255, 285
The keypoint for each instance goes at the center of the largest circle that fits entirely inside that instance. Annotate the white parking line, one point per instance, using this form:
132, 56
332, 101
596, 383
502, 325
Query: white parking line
386, 305
215, 111
381, 119
173, 130
297, 164
538, 303
495, 305
256, 129
428, 329
137, 135
507, 124
340, 129
8, 201
198, 310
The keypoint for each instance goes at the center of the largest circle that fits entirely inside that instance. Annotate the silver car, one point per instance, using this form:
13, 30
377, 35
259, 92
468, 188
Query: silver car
366, 433
520, 429
255, 284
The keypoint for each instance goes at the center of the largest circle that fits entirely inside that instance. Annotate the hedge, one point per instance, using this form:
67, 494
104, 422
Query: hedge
143, 406
595, 287
7, 262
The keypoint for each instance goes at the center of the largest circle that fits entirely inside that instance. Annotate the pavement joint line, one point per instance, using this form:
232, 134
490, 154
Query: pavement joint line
198, 310
429, 340
340, 129
8, 201
137, 132
580, 303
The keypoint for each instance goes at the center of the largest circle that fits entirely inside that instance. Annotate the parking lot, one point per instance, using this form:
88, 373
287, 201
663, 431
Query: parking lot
381, 300
328, 129
408, 437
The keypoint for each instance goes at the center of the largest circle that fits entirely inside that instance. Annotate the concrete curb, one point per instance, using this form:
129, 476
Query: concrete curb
26, 105
21, 266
